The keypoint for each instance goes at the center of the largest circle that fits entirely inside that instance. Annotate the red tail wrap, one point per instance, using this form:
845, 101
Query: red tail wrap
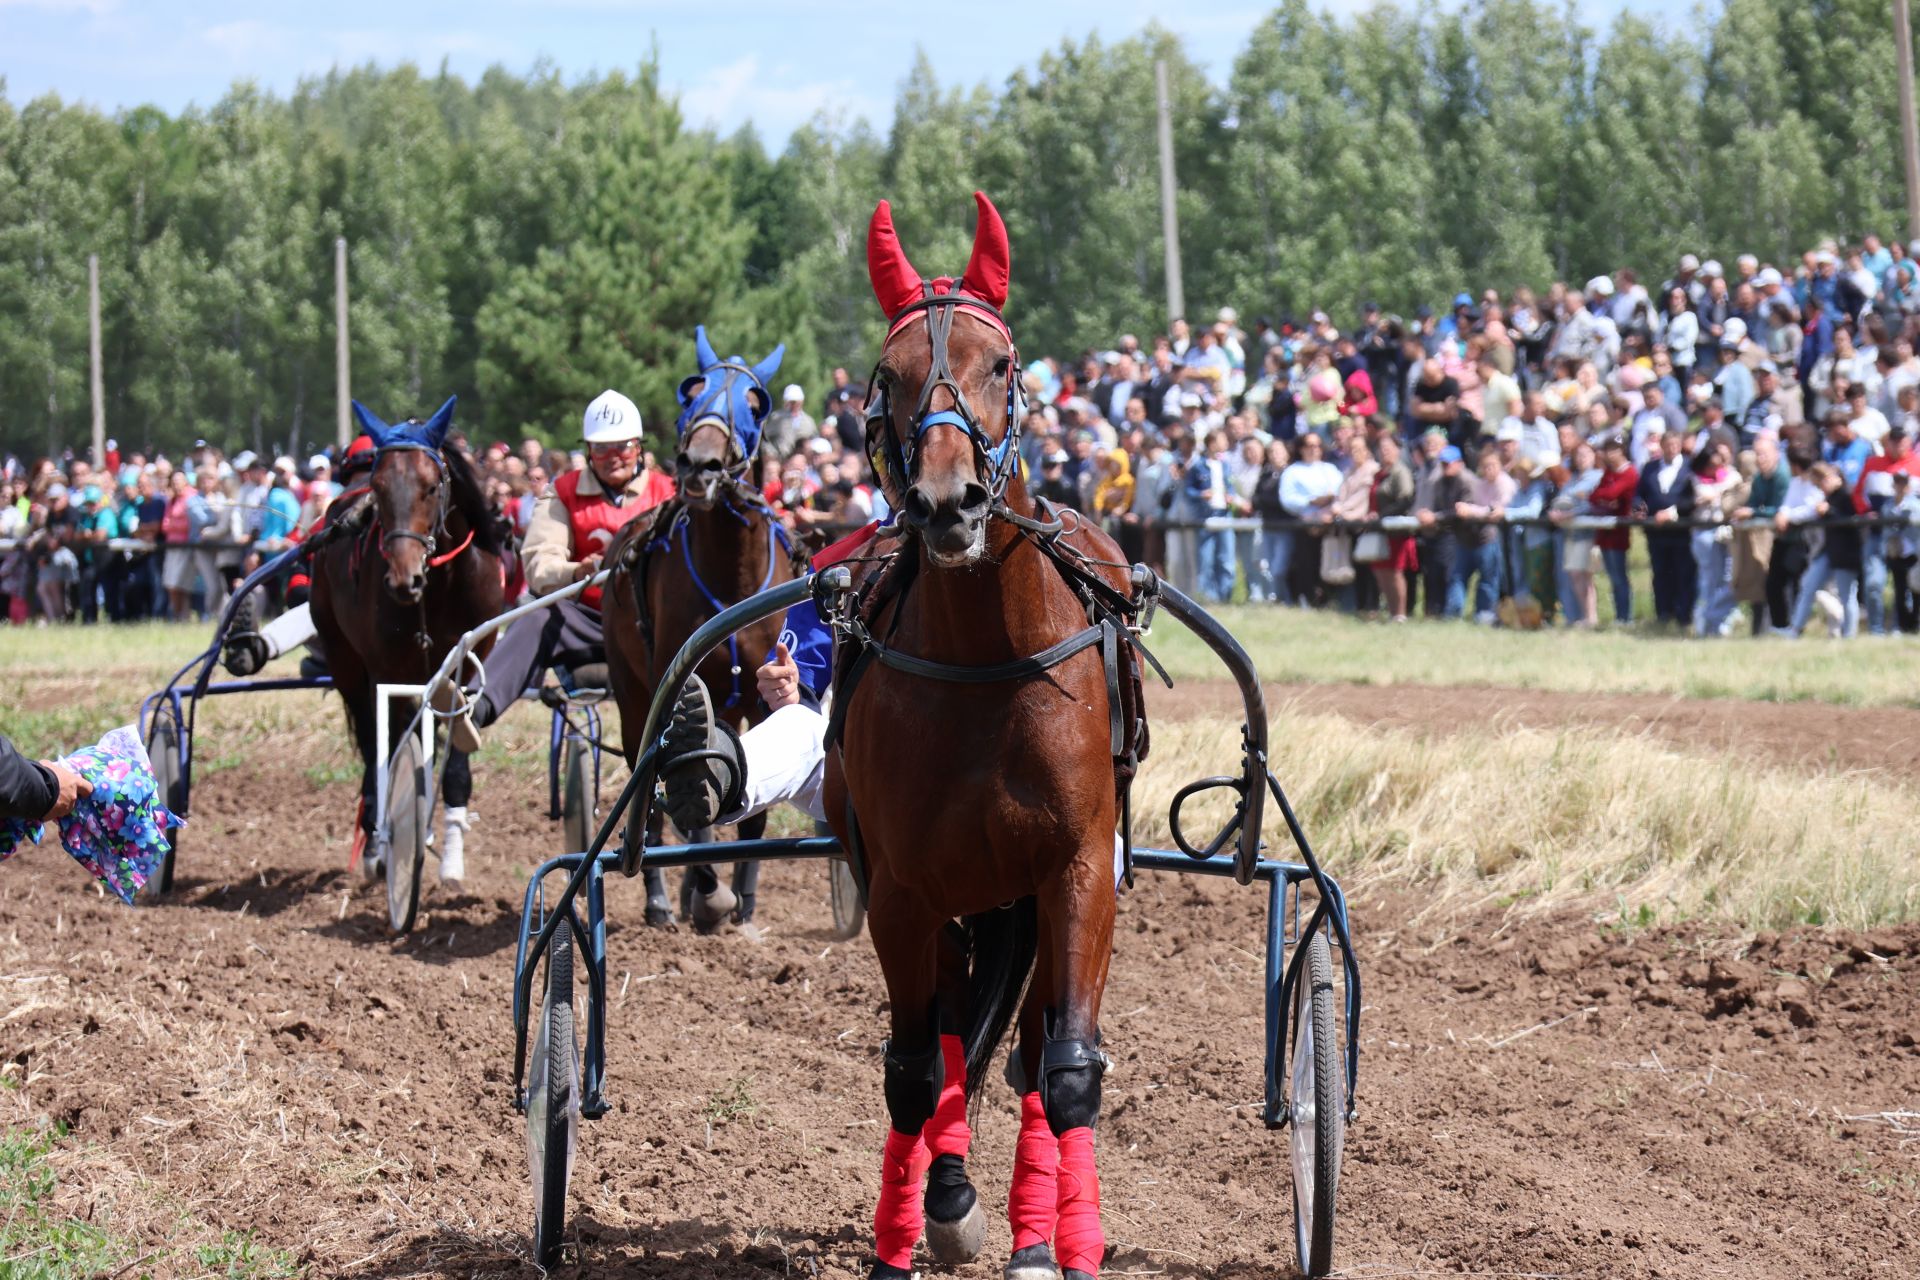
947, 1133
1078, 1243
898, 1216
1032, 1199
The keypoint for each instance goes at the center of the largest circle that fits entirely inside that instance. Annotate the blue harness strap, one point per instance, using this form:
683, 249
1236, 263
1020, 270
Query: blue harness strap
776, 536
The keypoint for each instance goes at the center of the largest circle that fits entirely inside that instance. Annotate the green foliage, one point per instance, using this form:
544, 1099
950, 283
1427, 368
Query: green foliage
525, 240
37, 1241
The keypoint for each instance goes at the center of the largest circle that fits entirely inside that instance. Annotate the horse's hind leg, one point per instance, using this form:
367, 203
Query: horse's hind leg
956, 1224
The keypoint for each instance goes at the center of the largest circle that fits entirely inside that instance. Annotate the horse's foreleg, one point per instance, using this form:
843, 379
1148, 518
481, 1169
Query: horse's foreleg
659, 905
1033, 1197
1076, 931
746, 875
956, 1225
905, 939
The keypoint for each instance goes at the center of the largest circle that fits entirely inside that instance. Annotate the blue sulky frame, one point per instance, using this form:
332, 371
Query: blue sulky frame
586, 870
180, 702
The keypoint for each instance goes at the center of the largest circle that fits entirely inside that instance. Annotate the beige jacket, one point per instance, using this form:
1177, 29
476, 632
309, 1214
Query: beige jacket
548, 548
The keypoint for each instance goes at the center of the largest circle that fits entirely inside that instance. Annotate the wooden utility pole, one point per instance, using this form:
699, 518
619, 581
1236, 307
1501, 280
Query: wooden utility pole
1169, 216
343, 426
98, 383
1909, 137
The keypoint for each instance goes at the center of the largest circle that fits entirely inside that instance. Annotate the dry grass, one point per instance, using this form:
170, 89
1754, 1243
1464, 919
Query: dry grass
1640, 832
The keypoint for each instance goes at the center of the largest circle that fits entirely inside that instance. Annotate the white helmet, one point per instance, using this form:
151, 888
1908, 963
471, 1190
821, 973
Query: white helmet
611, 419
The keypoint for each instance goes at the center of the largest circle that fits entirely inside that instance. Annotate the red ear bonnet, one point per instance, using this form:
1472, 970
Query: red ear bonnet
896, 285
991, 265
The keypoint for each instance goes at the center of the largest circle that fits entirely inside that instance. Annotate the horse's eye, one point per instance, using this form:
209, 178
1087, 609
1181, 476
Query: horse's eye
1000, 366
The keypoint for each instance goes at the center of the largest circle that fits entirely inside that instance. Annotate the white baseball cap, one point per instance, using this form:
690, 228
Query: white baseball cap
1602, 285
611, 419
792, 393
1768, 276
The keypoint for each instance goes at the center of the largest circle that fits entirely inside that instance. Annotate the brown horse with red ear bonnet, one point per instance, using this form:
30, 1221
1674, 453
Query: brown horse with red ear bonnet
976, 735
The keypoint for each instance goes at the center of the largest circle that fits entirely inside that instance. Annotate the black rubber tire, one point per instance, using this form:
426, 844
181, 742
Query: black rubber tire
553, 1103
1318, 1104
407, 821
579, 807
163, 737
849, 916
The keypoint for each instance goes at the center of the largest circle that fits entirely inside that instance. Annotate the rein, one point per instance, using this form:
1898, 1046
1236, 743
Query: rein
777, 537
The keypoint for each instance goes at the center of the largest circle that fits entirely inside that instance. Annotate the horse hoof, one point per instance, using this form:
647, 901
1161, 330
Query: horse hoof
659, 915
710, 910
1035, 1262
372, 869
450, 885
957, 1242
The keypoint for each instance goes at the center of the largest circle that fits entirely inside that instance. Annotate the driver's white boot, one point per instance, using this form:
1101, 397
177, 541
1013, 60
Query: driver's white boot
453, 847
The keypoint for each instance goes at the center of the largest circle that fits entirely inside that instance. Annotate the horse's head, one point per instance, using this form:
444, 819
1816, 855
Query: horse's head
721, 408
948, 361
410, 494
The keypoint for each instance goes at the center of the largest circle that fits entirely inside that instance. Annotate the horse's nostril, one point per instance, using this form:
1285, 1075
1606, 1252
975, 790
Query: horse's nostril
918, 509
974, 500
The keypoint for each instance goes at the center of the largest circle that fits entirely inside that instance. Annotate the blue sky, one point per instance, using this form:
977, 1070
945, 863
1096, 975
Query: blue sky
731, 61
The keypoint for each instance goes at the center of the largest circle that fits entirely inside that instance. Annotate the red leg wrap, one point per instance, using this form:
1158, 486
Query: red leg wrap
897, 1218
1031, 1200
947, 1133
1078, 1243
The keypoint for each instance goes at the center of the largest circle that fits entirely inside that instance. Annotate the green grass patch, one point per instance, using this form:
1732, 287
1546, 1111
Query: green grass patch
37, 1240
1299, 646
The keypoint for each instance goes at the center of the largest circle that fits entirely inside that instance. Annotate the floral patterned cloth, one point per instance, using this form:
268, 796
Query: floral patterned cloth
119, 832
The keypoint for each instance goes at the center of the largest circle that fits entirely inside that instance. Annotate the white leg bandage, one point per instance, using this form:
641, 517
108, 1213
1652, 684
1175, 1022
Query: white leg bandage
287, 632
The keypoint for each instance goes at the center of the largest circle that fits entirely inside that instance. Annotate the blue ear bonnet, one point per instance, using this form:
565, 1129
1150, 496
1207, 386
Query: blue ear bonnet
727, 393
429, 435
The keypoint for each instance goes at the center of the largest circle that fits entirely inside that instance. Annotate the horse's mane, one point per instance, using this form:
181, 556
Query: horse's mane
470, 499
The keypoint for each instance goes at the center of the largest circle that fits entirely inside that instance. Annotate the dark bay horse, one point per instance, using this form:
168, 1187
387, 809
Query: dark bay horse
713, 544
392, 599
976, 772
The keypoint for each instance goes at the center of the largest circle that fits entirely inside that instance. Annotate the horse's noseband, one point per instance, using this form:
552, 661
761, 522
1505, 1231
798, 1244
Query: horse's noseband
994, 461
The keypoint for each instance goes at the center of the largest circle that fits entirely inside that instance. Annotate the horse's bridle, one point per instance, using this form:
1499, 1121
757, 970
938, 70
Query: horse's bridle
429, 540
994, 461
704, 411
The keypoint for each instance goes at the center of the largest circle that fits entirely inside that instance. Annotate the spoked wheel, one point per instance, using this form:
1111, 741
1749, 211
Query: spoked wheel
1317, 1112
407, 821
553, 1102
579, 806
163, 750
848, 915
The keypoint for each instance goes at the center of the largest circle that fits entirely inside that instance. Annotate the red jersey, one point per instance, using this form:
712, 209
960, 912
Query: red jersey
593, 520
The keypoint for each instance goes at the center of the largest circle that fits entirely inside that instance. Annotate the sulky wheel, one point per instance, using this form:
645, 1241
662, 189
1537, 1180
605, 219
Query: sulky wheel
553, 1102
848, 913
1316, 1114
579, 806
407, 821
163, 751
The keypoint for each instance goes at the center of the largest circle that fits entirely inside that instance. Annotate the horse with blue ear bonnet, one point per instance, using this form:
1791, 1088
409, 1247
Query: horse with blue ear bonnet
390, 603
713, 545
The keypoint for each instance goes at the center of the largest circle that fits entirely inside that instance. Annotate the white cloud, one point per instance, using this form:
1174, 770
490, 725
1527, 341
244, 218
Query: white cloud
776, 100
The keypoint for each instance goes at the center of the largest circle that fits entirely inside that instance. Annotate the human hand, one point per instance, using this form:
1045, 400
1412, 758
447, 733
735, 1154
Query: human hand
586, 568
1780, 521
779, 679
72, 787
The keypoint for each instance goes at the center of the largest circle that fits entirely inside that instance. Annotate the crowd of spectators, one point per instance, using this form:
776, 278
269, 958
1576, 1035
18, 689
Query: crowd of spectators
1492, 462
